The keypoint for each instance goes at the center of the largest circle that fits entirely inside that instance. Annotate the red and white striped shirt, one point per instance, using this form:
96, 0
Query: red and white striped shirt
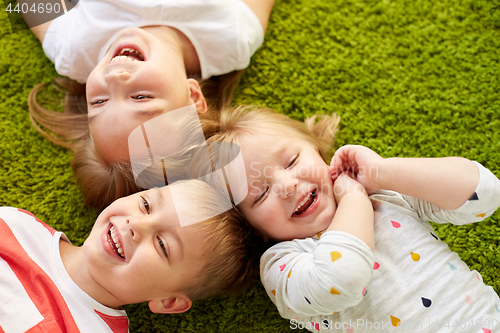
36, 293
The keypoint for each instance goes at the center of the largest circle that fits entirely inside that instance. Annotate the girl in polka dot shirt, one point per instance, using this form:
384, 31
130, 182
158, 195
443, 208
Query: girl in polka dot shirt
356, 252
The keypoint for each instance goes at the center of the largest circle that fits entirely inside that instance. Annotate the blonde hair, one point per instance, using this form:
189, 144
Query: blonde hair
240, 124
233, 254
232, 249
100, 182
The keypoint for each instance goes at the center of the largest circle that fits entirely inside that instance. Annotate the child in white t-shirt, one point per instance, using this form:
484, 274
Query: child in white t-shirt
343, 266
138, 60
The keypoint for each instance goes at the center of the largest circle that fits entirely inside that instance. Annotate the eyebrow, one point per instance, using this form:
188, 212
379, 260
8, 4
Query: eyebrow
141, 113
281, 151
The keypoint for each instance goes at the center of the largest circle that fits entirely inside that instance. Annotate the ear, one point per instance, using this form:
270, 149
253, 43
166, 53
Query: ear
177, 304
197, 96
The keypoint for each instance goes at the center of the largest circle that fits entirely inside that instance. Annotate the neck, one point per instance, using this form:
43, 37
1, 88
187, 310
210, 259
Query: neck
179, 43
75, 264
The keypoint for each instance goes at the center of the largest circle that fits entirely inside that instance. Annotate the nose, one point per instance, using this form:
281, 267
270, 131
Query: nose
117, 76
288, 184
139, 227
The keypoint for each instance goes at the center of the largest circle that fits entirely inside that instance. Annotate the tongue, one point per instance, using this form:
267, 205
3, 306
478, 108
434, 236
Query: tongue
305, 206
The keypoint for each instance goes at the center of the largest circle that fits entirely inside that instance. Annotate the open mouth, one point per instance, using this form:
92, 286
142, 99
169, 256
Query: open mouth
114, 242
306, 203
127, 54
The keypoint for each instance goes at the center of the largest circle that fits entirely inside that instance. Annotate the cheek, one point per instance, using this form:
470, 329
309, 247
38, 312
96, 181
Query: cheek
326, 185
322, 168
329, 209
269, 216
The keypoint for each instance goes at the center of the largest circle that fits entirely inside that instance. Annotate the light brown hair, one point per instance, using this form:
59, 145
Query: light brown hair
233, 254
100, 182
237, 125
232, 249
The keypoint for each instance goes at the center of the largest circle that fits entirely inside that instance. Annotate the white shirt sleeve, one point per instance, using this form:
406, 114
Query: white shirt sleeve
250, 34
483, 203
307, 277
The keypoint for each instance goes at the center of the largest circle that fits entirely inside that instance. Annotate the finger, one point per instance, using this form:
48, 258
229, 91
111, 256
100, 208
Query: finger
334, 173
336, 160
347, 154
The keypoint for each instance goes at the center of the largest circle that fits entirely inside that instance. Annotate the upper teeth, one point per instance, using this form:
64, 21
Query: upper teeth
303, 202
115, 238
121, 57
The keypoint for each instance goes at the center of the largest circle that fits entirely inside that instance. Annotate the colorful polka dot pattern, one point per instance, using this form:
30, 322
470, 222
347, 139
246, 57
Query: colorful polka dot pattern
426, 302
395, 321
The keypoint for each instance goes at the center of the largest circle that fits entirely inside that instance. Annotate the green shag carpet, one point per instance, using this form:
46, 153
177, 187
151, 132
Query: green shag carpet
409, 78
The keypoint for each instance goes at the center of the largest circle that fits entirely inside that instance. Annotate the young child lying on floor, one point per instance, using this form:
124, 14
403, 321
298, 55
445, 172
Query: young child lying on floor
136, 252
138, 59
343, 266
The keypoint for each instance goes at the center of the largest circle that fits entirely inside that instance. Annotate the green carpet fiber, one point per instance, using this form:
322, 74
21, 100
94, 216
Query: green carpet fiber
417, 78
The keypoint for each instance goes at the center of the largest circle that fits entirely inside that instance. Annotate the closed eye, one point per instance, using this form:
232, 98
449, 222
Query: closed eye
293, 161
262, 195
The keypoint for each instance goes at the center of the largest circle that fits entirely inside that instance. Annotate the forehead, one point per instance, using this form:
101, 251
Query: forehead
270, 148
162, 204
195, 240
265, 144
192, 236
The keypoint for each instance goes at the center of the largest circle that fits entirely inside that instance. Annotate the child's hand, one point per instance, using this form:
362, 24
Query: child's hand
361, 163
344, 184
354, 213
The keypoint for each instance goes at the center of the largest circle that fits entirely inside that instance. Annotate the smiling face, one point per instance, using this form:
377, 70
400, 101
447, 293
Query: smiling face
137, 251
290, 190
140, 77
